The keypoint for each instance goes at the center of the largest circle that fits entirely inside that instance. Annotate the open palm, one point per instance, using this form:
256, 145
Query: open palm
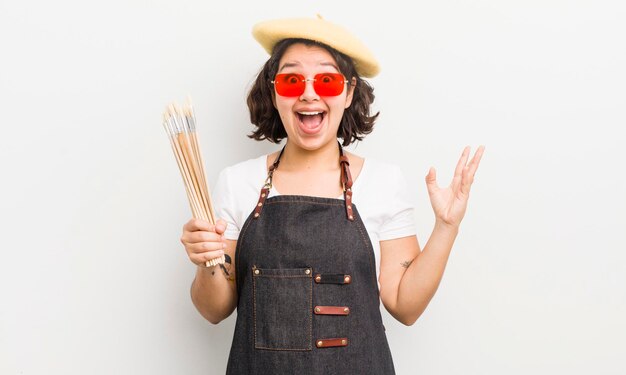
450, 203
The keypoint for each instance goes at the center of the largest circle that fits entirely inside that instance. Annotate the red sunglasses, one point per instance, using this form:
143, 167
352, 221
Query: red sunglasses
324, 84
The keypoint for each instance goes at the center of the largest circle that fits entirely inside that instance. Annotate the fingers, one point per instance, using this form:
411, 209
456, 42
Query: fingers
203, 241
203, 247
470, 170
462, 161
476, 160
201, 252
467, 182
203, 225
198, 224
458, 171
200, 259
200, 236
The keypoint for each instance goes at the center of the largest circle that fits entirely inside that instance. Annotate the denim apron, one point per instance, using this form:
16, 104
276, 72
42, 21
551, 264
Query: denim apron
308, 299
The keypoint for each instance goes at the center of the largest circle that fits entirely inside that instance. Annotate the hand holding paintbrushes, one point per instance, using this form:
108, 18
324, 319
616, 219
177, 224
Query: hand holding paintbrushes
180, 125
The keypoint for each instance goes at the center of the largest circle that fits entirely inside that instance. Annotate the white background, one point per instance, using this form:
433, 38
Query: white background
94, 280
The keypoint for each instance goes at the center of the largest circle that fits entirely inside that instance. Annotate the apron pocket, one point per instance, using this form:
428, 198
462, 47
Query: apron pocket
283, 308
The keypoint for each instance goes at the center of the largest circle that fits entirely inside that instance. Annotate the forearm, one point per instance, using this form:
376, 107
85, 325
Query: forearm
422, 277
213, 293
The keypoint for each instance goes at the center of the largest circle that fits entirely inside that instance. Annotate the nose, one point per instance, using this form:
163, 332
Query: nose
309, 93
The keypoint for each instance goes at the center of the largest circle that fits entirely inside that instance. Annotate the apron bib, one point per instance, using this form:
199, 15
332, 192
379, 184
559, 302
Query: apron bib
308, 299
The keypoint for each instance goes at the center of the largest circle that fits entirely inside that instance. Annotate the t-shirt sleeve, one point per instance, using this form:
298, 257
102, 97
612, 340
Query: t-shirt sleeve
224, 204
399, 216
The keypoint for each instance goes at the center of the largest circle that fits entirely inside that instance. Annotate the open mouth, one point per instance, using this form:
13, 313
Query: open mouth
310, 122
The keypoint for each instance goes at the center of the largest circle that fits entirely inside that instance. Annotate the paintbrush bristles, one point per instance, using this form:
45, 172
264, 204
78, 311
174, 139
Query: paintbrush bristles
216, 261
180, 126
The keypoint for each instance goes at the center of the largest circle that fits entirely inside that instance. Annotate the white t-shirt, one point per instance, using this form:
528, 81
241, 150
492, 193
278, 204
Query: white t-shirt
380, 194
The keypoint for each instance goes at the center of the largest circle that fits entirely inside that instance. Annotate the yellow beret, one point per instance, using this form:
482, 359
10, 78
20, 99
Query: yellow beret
268, 33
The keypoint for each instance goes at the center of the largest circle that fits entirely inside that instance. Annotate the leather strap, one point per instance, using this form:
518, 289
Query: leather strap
346, 182
265, 191
259, 205
332, 278
330, 343
346, 177
331, 310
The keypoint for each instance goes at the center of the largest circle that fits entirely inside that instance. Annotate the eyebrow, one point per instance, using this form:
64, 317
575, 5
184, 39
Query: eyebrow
295, 64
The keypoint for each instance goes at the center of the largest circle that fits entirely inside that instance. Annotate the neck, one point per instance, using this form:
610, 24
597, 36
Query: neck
296, 158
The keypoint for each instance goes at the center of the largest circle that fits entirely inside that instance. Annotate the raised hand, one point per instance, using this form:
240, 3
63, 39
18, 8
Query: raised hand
450, 203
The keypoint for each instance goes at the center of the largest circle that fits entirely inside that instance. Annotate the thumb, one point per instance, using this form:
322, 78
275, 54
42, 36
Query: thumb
220, 226
431, 179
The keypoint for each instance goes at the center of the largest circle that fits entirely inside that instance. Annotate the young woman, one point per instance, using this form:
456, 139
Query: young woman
306, 268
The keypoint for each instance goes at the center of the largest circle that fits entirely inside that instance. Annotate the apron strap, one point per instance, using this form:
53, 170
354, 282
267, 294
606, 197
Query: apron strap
346, 183
265, 191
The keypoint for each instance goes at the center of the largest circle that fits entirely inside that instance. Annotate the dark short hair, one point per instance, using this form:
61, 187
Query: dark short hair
355, 123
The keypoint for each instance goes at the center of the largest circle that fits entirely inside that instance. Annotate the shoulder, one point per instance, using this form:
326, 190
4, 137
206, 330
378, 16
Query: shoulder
241, 179
382, 165
381, 173
380, 183
246, 168
384, 200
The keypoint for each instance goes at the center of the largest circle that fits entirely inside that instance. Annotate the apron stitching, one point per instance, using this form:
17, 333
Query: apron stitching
311, 202
311, 317
369, 244
238, 254
254, 316
254, 302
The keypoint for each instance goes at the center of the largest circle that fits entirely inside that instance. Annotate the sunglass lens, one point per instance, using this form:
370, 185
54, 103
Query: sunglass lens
289, 84
328, 84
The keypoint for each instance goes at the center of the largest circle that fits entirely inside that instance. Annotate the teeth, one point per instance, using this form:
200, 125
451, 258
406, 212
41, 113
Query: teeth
310, 113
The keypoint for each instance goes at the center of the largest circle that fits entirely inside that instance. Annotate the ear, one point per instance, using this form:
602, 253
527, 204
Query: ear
350, 94
274, 99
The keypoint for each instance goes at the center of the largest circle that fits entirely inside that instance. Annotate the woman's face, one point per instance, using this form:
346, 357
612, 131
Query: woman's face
310, 120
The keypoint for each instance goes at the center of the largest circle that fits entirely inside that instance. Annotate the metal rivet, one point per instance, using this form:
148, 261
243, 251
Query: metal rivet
256, 214
346, 310
256, 272
307, 271
260, 204
320, 343
351, 217
317, 309
346, 279
263, 195
318, 278
343, 342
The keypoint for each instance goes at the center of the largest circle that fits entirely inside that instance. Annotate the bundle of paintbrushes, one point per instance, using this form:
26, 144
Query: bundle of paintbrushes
180, 126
